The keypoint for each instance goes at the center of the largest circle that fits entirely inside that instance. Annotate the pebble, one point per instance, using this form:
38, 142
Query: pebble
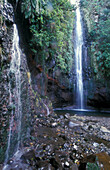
71, 124
54, 124
67, 115
95, 144
104, 129
67, 164
67, 144
75, 147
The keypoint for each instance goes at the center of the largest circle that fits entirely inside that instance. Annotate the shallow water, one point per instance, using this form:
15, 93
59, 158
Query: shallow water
83, 112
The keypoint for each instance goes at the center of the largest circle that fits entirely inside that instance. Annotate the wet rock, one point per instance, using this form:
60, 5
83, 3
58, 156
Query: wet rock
94, 126
75, 147
49, 149
18, 166
101, 98
66, 145
95, 144
104, 129
72, 124
61, 117
28, 155
6, 32
10, 161
54, 163
67, 115
54, 124
72, 157
90, 127
66, 164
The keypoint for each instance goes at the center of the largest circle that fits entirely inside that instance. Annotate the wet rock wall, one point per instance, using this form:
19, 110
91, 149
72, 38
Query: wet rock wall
6, 36
31, 100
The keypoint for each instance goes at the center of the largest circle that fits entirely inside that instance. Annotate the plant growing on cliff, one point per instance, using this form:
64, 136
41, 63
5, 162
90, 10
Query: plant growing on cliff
97, 15
92, 166
51, 25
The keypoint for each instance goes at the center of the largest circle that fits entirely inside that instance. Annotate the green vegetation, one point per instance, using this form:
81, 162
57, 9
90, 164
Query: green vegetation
97, 16
92, 166
51, 25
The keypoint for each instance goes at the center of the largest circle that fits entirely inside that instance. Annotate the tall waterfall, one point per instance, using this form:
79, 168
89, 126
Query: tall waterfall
15, 98
78, 58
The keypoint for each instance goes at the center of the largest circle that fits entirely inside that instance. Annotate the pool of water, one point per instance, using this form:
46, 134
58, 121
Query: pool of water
83, 112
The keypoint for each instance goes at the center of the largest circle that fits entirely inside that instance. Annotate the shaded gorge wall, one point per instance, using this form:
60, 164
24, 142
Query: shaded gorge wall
31, 101
48, 79
6, 38
95, 15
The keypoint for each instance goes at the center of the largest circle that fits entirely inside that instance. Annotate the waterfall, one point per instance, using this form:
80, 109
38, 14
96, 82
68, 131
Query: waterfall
15, 98
17, 61
78, 59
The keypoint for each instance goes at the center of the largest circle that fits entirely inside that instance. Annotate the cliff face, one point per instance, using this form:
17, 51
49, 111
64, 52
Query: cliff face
31, 102
47, 78
6, 37
99, 95
96, 18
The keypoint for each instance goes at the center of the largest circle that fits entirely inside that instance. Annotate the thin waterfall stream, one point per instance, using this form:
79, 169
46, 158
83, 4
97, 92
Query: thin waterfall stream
78, 58
15, 98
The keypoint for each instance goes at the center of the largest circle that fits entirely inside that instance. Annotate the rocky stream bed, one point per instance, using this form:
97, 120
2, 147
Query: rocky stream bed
64, 143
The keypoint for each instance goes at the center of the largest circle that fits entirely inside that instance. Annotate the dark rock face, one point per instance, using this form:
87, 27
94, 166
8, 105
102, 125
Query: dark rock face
59, 94
56, 88
101, 98
6, 36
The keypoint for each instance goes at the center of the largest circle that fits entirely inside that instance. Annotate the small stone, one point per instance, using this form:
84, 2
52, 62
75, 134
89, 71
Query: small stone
67, 115
75, 147
104, 129
10, 161
95, 144
61, 117
94, 126
66, 145
54, 124
16, 166
77, 155
66, 164
101, 165
76, 161
71, 124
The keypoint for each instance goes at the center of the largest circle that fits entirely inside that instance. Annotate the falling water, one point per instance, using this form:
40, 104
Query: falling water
78, 57
17, 61
15, 97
